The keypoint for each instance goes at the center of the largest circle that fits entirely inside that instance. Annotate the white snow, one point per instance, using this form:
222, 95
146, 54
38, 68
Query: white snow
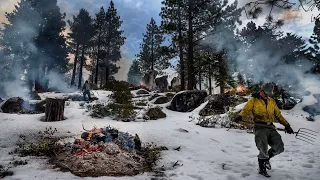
206, 153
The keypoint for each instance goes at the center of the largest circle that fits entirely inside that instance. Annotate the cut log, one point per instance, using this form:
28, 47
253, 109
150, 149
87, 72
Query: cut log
54, 110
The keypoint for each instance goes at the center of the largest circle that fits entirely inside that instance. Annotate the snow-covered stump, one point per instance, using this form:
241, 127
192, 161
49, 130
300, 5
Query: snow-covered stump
54, 110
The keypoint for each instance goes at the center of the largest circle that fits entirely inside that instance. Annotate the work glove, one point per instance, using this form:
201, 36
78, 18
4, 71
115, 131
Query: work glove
237, 119
288, 130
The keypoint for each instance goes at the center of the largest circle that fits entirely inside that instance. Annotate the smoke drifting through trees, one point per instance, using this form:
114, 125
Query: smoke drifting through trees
264, 58
35, 53
33, 46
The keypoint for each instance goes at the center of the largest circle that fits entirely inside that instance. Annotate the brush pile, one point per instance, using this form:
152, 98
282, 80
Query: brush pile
105, 152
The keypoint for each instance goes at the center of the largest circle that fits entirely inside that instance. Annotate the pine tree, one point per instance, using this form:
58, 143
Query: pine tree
99, 24
173, 23
74, 45
150, 58
134, 74
196, 18
82, 32
112, 41
313, 51
34, 36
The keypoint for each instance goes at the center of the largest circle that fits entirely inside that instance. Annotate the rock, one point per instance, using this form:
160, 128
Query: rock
142, 92
153, 97
111, 149
175, 82
162, 83
39, 106
286, 103
13, 105
187, 101
18, 105
34, 96
219, 104
162, 100
154, 114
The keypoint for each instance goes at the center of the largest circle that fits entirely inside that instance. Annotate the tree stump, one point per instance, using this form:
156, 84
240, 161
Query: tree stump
54, 110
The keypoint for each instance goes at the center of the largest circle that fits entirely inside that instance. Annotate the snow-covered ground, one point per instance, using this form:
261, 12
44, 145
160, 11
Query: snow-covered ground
206, 153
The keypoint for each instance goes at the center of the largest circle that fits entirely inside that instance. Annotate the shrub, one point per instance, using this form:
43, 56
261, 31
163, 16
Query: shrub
141, 103
155, 113
42, 144
151, 153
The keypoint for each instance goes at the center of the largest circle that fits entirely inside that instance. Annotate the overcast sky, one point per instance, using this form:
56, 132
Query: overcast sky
136, 14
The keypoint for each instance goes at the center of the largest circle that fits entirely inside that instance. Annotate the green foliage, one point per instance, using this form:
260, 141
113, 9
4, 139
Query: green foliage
122, 111
122, 94
134, 74
121, 107
42, 144
99, 110
150, 57
155, 113
151, 153
141, 103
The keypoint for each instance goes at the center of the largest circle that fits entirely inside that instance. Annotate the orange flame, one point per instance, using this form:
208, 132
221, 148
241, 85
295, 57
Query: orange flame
241, 89
143, 85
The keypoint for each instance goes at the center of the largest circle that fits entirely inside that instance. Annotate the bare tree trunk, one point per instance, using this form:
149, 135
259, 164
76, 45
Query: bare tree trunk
101, 79
98, 56
107, 64
107, 74
81, 67
37, 83
200, 79
221, 88
191, 76
210, 80
182, 78
75, 66
54, 110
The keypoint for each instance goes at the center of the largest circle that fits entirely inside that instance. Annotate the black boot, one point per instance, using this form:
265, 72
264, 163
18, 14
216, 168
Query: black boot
267, 162
262, 168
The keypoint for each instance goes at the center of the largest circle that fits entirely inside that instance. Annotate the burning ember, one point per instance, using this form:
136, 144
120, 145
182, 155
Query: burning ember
144, 86
239, 90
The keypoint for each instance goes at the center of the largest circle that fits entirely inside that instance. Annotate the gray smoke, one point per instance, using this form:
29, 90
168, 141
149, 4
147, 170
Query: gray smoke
261, 63
13, 67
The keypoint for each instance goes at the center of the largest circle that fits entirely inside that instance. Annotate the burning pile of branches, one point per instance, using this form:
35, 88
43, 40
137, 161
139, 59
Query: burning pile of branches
144, 86
239, 90
95, 139
106, 152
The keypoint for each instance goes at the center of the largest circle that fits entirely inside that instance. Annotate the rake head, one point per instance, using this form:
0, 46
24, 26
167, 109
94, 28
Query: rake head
306, 135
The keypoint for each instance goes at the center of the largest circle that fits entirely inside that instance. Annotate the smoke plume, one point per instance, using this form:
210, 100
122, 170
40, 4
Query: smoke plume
12, 64
263, 64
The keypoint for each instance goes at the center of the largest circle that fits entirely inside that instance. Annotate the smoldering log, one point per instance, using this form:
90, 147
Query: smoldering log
54, 110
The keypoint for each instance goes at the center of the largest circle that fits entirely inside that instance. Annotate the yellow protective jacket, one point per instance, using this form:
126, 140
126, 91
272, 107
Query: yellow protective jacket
263, 112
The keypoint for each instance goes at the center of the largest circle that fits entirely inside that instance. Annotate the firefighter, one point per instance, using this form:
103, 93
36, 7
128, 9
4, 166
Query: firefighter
86, 90
265, 111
